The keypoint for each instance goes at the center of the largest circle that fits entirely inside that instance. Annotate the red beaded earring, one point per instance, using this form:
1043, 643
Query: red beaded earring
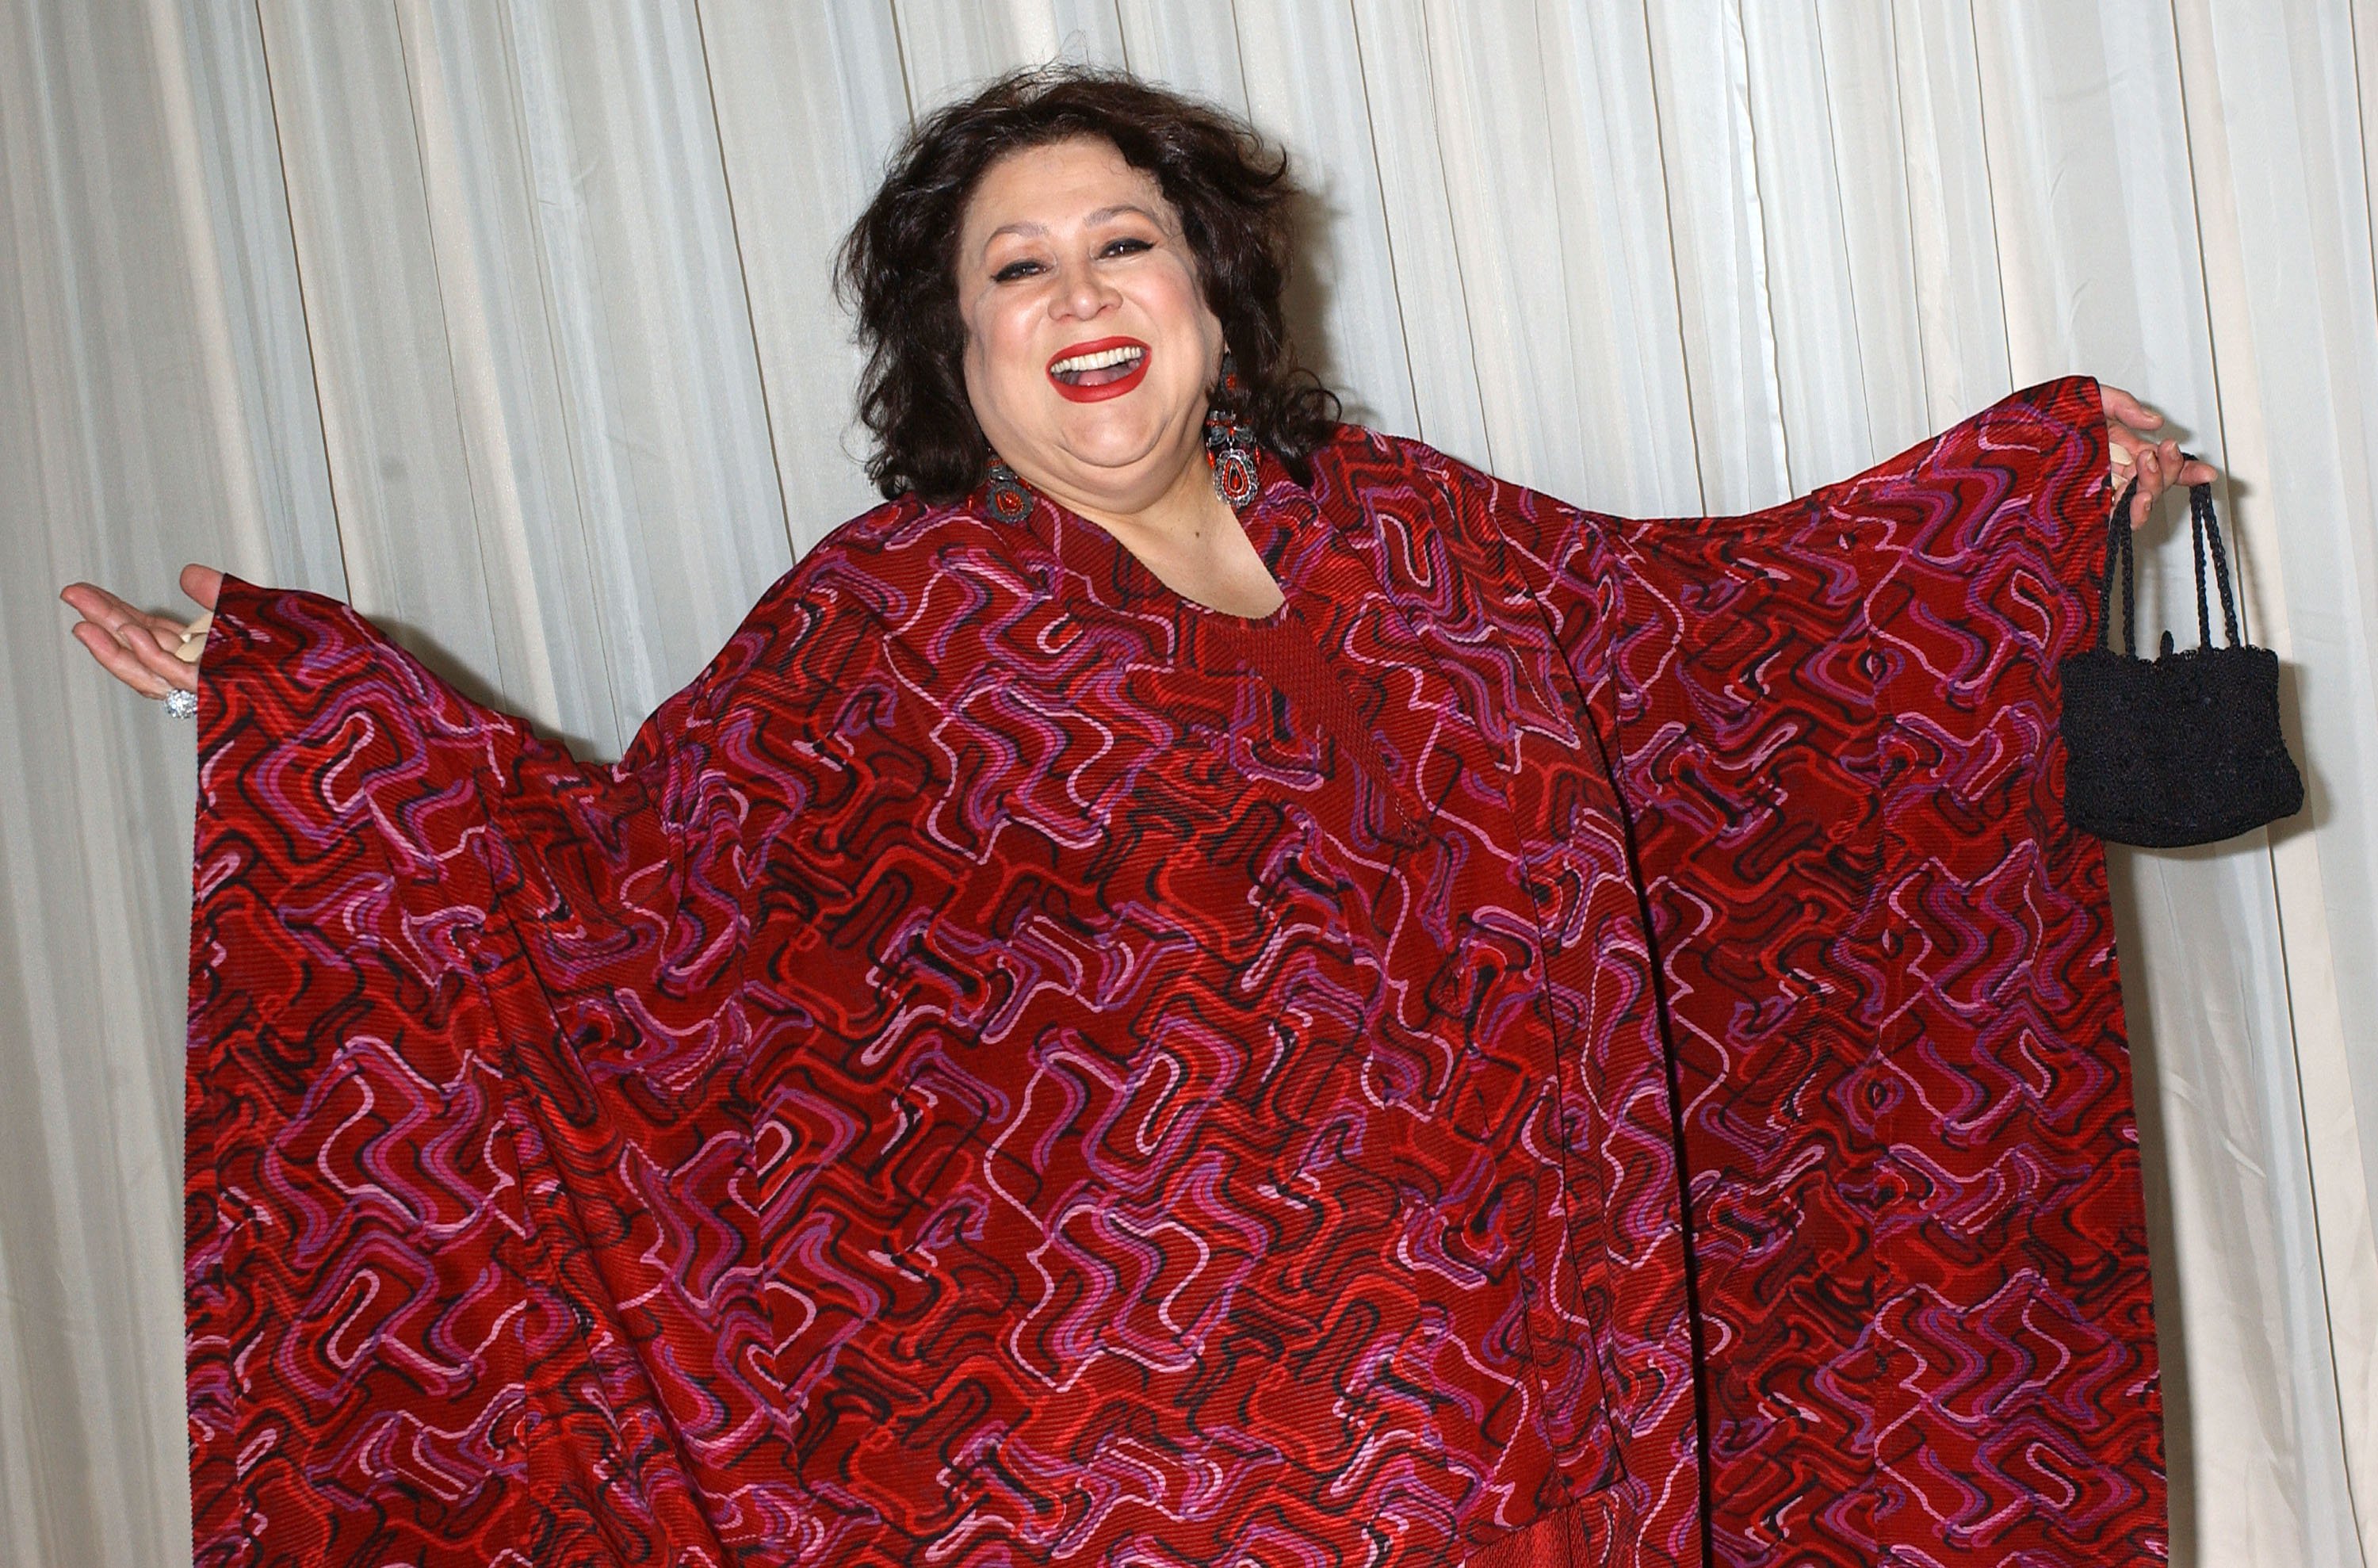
1010, 501
1229, 445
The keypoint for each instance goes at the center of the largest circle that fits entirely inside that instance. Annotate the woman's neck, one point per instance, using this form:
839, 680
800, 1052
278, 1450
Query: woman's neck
1191, 541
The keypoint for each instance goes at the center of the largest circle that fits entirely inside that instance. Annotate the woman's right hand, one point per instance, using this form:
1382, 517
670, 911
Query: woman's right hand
149, 653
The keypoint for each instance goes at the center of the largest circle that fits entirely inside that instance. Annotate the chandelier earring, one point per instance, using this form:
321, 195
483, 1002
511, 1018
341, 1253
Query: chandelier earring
1229, 444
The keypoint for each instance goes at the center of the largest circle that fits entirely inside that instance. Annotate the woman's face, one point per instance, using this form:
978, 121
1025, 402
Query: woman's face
1090, 345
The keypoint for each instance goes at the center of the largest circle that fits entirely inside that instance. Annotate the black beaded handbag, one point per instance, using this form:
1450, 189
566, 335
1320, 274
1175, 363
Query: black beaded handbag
2185, 749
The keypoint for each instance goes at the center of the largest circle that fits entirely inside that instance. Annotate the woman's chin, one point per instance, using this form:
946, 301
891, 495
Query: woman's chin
1119, 449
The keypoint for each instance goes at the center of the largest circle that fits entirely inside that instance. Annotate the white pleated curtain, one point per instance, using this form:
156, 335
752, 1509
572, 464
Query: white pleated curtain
511, 324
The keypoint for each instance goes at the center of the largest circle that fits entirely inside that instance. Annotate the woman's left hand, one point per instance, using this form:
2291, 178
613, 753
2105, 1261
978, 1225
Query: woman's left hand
2137, 454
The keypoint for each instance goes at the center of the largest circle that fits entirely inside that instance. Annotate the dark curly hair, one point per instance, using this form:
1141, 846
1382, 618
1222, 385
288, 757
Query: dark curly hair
896, 269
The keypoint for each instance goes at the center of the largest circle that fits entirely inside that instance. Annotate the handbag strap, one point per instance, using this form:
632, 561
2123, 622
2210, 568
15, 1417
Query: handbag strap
2203, 527
2118, 549
2204, 532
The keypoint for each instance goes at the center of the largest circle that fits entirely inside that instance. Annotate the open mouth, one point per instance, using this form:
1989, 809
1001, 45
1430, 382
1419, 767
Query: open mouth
1088, 372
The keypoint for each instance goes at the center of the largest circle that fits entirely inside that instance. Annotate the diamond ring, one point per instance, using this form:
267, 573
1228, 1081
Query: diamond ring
180, 703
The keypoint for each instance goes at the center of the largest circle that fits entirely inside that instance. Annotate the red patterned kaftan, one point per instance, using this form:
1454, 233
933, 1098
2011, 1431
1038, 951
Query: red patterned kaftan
1015, 1068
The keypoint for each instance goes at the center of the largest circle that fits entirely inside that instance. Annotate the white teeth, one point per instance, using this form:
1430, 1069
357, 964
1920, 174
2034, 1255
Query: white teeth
1098, 361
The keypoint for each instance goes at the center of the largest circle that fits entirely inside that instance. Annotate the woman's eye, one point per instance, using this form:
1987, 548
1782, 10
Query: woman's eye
1128, 245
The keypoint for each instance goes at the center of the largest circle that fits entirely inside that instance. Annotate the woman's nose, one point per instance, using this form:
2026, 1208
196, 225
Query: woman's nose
1081, 292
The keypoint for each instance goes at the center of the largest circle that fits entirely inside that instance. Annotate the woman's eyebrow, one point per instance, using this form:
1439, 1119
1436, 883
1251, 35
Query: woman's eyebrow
1029, 229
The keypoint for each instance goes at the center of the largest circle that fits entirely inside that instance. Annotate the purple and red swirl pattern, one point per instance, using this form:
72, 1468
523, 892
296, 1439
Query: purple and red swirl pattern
1015, 1068
1888, 969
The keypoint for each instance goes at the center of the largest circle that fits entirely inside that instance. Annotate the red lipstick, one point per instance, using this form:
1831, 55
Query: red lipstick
1106, 381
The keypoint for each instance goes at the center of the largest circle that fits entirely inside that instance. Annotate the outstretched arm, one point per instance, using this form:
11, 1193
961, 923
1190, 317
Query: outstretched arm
152, 653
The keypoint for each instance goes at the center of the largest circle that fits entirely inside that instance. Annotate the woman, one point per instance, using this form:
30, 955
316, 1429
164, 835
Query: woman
1203, 985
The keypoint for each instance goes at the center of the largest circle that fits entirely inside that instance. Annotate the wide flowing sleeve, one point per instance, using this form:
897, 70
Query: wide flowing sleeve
1886, 968
461, 1130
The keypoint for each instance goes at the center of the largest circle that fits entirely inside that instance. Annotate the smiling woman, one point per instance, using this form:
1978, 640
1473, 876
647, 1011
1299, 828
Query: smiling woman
1077, 288
1395, 1021
1085, 237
